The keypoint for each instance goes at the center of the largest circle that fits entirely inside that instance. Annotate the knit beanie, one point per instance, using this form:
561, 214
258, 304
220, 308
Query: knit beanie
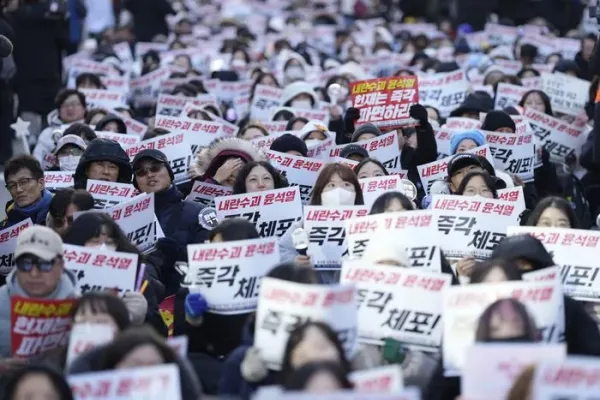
495, 120
363, 129
289, 142
457, 138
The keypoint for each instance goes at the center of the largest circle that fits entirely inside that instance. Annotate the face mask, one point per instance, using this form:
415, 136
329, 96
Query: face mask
382, 52
238, 64
68, 163
294, 73
303, 104
338, 197
105, 247
312, 143
515, 339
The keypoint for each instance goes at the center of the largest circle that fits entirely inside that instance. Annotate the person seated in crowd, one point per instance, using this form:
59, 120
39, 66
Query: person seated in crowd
370, 168
498, 121
354, 152
478, 184
313, 133
88, 80
465, 141
81, 130
554, 212
318, 378
24, 179
68, 152
252, 131
94, 116
290, 144
38, 382
65, 203
258, 176
295, 123
111, 123
103, 160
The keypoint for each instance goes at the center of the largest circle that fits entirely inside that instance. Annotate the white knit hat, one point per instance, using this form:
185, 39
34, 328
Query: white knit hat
384, 248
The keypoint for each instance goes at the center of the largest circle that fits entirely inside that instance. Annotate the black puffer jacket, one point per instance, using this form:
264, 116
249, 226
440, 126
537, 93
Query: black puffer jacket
103, 150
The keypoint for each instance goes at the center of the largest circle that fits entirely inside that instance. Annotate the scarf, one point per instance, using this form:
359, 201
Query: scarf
36, 211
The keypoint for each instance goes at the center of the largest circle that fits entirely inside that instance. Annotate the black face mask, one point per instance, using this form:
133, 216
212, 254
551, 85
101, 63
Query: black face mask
514, 339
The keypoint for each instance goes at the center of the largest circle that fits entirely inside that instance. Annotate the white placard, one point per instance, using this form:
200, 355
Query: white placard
8, 245
299, 171
574, 378
179, 344
444, 91
400, 303
442, 139
284, 305
513, 195
374, 187
326, 229
136, 218
228, 274
567, 93
109, 194
100, 98
205, 193
148, 383
197, 133
386, 379
125, 140
272, 212
411, 393
462, 124
513, 153
55, 180
383, 148
508, 95
266, 98
87, 336
146, 88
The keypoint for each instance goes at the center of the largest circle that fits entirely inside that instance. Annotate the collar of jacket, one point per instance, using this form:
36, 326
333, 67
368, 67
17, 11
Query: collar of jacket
168, 196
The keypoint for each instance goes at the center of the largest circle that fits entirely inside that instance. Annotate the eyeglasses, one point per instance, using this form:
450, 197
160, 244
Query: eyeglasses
21, 183
26, 264
154, 168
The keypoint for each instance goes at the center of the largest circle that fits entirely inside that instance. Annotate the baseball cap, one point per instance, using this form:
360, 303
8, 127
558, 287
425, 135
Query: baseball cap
40, 241
462, 160
154, 154
354, 149
70, 139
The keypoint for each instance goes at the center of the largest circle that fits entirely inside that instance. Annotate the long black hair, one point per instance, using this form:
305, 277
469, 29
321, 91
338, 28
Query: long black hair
91, 224
239, 186
555, 202
56, 378
383, 201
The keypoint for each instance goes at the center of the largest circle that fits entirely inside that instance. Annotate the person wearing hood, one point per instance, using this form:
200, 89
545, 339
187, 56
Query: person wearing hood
220, 162
294, 69
39, 274
313, 133
290, 144
474, 104
103, 160
111, 123
68, 152
24, 179
71, 107
299, 94
181, 221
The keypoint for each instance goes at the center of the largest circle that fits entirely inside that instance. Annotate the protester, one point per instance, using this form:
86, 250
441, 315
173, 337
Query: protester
506, 320
38, 381
537, 100
24, 179
69, 150
290, 144
553, 212
498, 121
354, 152
391, 202
111, 123
103, 309
318, 378
252, 131
81, 130
465, 141
370, 168
63, 206
477, 184
258, 176
103, 160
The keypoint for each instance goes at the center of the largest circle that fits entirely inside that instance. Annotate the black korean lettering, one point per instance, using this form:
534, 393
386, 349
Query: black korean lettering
272, 321
206, 202
447, 101
261, 103
283, 226
347, 338
379, 300
580, 276
501, 154
194, 148
305, 193
337, 235
206, 276
318, 234
248, 287
179, 165
540, 132
393, 163
79, 273
227, 274
6, 260
501, 103
267, 228
421, 257
359, 247
458, 98
396, 319
422, 323
445, 223
465, 224
361, 294
563, 151
547, 333
526, 165
480, 239
494, 239
294, 321
99, 204
140, 235
252, 216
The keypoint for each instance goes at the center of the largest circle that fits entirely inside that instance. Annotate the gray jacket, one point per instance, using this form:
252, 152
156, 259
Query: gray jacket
66, 289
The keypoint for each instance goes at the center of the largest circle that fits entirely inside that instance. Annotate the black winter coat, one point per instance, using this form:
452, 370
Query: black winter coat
149, 18
425, 152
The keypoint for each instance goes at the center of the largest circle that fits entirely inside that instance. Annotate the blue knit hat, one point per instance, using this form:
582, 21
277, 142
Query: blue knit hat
457, 138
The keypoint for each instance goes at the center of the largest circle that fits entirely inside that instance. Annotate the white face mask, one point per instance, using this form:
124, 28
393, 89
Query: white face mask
338, 197
294, 73
238, 64
105, 247
68, 163
303, 104
382, 52
312, 143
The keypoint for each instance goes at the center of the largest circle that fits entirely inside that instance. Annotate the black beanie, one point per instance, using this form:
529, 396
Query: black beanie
153, 154
364, 129
289, 142
495, 120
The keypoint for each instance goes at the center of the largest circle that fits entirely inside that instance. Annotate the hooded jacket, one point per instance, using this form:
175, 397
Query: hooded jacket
296, 88
103, 150
65, 289
46, 142
209, 159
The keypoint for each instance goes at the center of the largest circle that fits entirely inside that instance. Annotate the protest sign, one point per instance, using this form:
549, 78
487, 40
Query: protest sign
415, 231
99, 269
383, 148
568, 94
385, 379
574, 378
38, 326
100, 98
321, 150
146, 88
86, 336
462, 124
124, 140
173, 106
473, 226
272, 212
265, 142
442, 139
136, 219
499, 35
374, 187
508, 95
274, 126
283, 305
179, 344
265, 99
513, 153
80, 66
463, 306
148, 383
411, 393
575, 251
134, 127
558, 137
8, 245
205, 193
400, 303
55, 180
174, 146
228, 274
327, 233
299, 171
385, 102
197, 133
513, 195
109, 194
492, 368
444, 91
116, 83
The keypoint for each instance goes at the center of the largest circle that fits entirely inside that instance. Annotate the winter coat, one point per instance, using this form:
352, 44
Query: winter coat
65, 289
37, 212
425, 152
149, 18
46, 143
103, 150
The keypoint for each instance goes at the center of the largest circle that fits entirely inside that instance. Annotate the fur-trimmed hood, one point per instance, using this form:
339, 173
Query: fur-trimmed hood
210, 158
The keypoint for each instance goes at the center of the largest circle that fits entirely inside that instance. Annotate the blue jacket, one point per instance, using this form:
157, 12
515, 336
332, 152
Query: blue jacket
37, 212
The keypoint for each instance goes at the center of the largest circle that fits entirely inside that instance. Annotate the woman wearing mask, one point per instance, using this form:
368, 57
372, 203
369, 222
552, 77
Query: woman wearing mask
220, 162
293, 69
64, 204
69, 150
299, 95
313, 133
70, 108
240, 61
37, 382
318, 378
258, 176
554, 212
478, 184
370, 168
244, 371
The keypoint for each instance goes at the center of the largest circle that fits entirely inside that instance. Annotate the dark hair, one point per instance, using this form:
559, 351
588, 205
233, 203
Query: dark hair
89, 225
239, 186
347, 175
291, 272
242, 50
131, 339
81, 130
255, 126
528, 50
528, 69
489, 182
367, 160
199, 86
298, 379
65, 94
105, 303
545, 99
383, 201
285, 114
63, 198
297, 335
23, 161
57, 379
152, 133
483, 332
258, 79
186, 89
293, 121
233, 229
509, 267
92, 78
89, 116
555, 202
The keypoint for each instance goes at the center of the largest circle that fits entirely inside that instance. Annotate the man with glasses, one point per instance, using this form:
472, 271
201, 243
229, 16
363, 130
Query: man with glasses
182, 222
103, 160
24, 179
39, 274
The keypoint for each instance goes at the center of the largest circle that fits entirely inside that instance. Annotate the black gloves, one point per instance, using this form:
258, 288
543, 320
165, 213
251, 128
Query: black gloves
419, 113
352, 115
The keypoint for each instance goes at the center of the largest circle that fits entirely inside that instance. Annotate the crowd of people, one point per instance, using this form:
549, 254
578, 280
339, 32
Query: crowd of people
281, 199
